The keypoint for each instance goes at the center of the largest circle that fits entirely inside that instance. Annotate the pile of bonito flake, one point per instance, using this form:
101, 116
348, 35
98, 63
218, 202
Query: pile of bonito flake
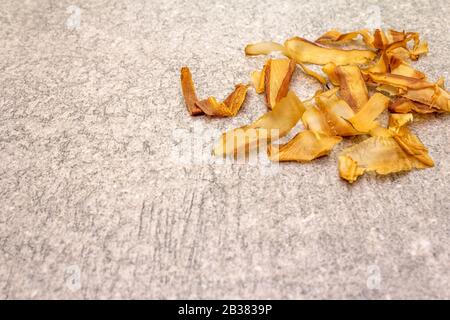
357, 87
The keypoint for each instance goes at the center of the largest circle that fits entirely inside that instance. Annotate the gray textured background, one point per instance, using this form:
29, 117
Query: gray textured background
88, 183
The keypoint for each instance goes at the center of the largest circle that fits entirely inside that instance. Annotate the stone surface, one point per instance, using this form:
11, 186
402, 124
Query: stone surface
100, 198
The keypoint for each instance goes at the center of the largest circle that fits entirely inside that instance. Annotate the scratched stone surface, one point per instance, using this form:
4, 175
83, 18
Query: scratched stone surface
102, 194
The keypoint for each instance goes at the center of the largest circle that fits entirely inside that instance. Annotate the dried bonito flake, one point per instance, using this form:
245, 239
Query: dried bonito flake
277, 78
263, 48
229, 107
399, 67
274, 79
441, 83
381, 66
394, 64
305, 146
398, 121
269, 127
337, 114
436, 98
412, 146
387, 41
258, 78
305, 51
399, 81
188, 88
384, 154
364, 119
382, 39
401, 46
419, 49
390, 90
404, 105
353, 88
330, 70
349, 169
334, 36
312, 73
340, 118
314, 119
211, 107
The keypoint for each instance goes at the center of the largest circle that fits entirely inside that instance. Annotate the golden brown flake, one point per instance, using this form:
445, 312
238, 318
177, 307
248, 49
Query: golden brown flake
399, 81
309, 52
364, 120
263, 48
353, 88
258, 78
334, 36
434, 97
277, 78
305, 146
384, 154
272, 125
228, 108
188, 88
404, 105
337, 113
211, 106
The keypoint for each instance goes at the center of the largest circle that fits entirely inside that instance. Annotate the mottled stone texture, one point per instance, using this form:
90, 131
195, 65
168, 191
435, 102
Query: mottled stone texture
88, 183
